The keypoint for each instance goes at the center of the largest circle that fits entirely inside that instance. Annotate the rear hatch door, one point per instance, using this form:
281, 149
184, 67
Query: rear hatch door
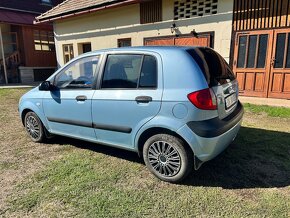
219, 77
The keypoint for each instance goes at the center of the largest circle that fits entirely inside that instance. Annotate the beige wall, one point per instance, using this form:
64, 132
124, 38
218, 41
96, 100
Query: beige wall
104, 28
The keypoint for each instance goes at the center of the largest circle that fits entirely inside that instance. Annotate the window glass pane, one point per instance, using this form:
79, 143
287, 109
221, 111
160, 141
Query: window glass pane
280, 49
262, 52
65, 48
124, 43
45, 47
215, 69
79, 74
242, 52
288, 53
148, 78
252, 51
37, 46
122, 71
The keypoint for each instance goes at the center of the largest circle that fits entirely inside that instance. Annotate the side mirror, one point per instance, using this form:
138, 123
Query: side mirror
45, 86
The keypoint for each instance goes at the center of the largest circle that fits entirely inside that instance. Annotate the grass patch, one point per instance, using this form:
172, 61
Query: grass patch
68, 177
269, 110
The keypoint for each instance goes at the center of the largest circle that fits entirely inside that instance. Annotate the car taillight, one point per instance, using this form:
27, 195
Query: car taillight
203, 99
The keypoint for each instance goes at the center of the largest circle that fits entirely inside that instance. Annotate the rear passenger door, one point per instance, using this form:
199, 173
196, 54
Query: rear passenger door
129, 95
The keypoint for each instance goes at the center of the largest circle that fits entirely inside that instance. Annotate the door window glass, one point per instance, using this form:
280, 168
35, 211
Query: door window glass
79, 74
122, 71
262, 51
280, 50
130, 71
242, 51
252, 51
288, 53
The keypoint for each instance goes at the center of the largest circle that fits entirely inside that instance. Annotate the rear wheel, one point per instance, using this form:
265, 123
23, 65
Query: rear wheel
34, 127
167, 158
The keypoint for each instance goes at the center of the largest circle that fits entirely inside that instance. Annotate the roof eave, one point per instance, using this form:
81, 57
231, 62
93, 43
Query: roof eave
81, 12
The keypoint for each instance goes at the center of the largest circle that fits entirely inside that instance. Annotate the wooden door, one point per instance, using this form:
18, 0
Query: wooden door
252, 58
179, 41
279, 86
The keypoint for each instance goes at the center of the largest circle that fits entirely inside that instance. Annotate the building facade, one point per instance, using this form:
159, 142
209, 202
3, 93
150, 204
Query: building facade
252, 35
160, 22
27, 51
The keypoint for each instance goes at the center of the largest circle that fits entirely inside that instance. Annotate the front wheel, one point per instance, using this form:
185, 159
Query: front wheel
34, 127
167, 158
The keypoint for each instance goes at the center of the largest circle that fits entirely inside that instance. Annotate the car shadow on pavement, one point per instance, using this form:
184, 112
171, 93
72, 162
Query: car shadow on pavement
258, 158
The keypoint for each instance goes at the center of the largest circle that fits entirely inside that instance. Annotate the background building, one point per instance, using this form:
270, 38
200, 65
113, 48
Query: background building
252, 35
27, 51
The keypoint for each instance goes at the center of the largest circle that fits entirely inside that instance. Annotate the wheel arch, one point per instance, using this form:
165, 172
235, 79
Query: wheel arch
31, 107
158, 130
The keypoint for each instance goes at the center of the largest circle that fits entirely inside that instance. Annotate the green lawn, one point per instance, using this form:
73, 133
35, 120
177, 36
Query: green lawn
69, 177
270, 111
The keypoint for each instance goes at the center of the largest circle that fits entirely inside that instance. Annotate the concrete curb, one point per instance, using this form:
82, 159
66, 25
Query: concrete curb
266, 101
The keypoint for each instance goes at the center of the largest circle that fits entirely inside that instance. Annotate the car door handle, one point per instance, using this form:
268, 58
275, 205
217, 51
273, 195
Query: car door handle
143, 99
81, 98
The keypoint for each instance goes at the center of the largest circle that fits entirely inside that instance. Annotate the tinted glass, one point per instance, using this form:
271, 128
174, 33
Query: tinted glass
242, 52
252, 51
288, 53
79, 74
262, 52
122, 71
148, 77
280, 50
215, 69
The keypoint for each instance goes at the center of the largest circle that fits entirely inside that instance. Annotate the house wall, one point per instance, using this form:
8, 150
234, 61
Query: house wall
32, 57
104, 28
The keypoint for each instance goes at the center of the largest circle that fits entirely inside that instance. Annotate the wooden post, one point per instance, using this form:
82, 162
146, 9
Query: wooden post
3, 56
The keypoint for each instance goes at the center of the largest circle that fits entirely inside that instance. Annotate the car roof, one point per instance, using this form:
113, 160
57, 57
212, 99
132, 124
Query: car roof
156, 49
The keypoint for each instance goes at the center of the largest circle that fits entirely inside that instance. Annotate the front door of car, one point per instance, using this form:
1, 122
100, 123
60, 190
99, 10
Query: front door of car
68, 106
129, 95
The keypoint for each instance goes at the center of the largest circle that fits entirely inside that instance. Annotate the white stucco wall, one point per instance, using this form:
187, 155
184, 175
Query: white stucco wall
104, 28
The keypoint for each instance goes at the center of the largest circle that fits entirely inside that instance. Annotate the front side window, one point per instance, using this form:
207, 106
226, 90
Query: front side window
130, 72
43, 40
79, 74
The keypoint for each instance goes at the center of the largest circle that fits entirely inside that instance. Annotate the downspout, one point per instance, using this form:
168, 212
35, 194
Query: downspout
3, 56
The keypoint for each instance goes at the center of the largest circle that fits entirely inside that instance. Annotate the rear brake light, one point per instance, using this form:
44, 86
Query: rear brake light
203, 99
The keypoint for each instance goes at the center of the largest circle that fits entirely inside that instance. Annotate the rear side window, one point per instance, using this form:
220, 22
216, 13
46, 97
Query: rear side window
215, 69
148, 77
130, 71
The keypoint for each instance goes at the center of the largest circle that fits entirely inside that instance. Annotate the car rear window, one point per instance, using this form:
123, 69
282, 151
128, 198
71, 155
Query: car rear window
215, 69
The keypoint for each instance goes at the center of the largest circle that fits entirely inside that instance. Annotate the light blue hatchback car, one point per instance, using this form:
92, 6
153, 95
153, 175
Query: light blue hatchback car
176, 106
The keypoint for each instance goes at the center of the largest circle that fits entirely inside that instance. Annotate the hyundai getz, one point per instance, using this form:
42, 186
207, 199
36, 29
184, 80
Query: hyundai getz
177, 107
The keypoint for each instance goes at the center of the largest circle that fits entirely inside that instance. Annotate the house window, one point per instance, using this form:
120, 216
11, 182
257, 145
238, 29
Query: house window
193, 8
68, 52
124, 43
43, 40
151, 11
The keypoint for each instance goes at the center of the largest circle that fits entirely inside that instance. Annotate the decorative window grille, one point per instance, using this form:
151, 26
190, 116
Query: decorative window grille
194, 8
150, 11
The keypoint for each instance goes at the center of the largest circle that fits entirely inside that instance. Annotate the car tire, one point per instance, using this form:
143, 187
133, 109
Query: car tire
34, 127
167, 158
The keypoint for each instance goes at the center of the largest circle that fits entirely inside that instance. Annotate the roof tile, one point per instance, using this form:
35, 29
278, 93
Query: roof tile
72, 6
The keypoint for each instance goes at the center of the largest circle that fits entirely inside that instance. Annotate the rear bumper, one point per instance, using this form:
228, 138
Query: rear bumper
210, 137
215, 127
